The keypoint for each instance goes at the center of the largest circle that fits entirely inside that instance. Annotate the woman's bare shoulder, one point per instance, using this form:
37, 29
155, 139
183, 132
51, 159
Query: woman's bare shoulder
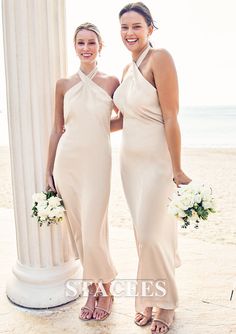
111, 80
161, 56
63, 83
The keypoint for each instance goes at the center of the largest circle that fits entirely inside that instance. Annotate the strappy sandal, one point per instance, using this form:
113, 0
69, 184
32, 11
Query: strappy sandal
164, 323
107, 310
88, 308
148, 319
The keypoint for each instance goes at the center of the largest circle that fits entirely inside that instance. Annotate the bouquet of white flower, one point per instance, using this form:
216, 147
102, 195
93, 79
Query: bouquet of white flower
47, 208
192, 203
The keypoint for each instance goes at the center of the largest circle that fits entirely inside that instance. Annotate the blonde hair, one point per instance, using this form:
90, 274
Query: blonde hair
91, 27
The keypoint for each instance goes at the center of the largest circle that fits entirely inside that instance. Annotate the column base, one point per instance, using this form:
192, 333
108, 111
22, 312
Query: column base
43, 287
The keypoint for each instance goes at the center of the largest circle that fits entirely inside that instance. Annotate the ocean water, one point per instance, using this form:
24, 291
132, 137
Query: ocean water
204, 127
200, 127
208, 126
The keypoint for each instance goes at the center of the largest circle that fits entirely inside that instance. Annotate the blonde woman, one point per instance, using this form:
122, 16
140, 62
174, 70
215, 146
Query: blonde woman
79, 165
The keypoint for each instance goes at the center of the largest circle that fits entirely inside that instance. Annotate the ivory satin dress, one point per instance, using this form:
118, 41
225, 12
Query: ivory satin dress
146, 172
82, 171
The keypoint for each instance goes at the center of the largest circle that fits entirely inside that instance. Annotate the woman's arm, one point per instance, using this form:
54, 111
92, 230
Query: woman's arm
56, 133
116, 123
166, 81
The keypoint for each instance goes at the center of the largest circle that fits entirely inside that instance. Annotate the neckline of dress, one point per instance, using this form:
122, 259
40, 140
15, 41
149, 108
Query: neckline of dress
142, 56
89, 78
90, 75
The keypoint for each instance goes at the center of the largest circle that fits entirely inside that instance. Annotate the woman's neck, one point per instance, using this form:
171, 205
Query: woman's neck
86, 68
135, 55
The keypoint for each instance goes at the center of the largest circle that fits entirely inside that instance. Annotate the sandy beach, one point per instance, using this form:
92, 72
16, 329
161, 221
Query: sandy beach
214, 166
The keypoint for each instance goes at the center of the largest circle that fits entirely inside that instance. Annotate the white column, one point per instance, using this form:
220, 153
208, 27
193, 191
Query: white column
35, 57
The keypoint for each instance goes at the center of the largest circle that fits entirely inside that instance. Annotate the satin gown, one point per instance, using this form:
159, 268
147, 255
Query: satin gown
82, 171
146, 172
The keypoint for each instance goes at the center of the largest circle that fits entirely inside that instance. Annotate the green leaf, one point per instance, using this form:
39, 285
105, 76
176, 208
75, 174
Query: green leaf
188, 212
50, 194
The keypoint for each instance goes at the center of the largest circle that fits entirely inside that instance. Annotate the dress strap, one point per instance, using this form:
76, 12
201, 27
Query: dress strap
90, 75
142, 56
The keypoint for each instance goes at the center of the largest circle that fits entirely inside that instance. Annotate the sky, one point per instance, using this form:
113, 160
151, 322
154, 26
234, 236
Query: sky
199, 34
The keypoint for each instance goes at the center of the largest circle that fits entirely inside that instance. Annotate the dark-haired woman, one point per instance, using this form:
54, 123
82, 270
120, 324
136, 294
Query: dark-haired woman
79, 162
150, 162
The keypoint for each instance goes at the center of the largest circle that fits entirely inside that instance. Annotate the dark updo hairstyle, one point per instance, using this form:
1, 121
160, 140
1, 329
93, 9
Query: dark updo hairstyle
141, 9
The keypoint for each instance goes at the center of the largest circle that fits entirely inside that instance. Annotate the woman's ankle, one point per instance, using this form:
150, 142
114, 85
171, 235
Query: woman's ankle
92, 288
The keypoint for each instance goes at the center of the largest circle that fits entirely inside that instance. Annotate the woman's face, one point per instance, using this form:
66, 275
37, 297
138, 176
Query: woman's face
87, 46
134, 31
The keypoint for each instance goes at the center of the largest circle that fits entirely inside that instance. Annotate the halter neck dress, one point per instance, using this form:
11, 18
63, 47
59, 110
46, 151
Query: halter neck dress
82, 171
146, 172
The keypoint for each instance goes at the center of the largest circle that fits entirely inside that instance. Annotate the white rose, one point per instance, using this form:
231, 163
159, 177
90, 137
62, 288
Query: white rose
195, 188
183, 206
190, 199
42, 205
58, 212
186, 202
197, 198
173, 210
38, 197
181, 213
206, 205
184, 189
51, 214
43, 212
54, 201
